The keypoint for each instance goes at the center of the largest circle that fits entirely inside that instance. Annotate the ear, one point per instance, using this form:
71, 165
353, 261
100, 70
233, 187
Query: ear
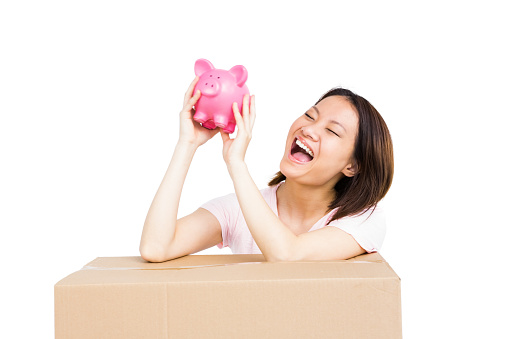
351, 169
240, 74
201, 66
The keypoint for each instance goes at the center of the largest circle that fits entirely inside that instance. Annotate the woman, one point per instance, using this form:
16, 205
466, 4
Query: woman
322, 205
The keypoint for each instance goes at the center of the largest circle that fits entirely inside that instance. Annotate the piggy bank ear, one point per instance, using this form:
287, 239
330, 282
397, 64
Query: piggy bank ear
201, 66
240, 74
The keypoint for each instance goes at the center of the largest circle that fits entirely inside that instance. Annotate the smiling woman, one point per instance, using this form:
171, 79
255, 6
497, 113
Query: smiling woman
337, 166
372, 159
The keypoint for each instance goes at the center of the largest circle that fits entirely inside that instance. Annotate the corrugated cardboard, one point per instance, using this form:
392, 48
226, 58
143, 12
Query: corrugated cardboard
229, 296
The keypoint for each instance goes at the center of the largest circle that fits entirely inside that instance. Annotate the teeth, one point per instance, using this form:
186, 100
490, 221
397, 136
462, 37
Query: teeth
304, 147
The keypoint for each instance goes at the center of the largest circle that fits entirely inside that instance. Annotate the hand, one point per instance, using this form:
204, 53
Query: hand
190, 130
234, 150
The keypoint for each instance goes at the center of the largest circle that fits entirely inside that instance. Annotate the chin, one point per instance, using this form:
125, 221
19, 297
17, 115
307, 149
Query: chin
288, 170
284, 168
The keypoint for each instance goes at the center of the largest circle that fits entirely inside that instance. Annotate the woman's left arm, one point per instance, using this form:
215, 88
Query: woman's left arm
273, 238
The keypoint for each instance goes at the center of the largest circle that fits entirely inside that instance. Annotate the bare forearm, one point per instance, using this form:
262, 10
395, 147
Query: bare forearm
273, 238
159, 228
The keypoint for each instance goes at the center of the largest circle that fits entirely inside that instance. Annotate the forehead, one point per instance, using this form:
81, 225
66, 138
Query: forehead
340, 109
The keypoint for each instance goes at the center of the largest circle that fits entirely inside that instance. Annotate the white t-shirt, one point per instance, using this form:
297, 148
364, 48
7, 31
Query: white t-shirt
367, 229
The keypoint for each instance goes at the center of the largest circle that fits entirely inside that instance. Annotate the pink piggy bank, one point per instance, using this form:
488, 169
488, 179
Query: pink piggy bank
219, 90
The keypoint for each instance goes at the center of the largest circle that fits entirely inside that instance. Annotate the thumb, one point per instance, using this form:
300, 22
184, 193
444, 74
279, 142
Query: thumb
225, 136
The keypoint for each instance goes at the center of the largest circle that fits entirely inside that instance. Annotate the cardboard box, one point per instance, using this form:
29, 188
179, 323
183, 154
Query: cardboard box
229, 296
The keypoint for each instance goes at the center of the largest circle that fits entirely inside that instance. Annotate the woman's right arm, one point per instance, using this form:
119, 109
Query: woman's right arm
159, 230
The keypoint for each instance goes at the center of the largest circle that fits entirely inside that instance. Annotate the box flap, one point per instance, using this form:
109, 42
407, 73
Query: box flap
220, 268
198, 261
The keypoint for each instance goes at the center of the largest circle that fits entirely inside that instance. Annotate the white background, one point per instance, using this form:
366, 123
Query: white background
89, 99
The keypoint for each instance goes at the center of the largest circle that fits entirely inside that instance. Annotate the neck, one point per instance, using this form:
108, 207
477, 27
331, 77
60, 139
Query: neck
303, 202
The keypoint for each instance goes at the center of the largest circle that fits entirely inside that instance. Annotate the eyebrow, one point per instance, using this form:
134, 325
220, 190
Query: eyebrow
333, 121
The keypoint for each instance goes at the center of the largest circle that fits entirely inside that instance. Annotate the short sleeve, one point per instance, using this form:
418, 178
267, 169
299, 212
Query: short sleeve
368, 229
225, 209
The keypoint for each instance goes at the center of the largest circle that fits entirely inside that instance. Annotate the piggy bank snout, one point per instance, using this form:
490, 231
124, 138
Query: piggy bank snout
210, 87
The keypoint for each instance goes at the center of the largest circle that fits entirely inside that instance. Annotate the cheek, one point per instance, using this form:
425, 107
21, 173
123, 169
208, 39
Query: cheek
338, 154
294, 126
291, 133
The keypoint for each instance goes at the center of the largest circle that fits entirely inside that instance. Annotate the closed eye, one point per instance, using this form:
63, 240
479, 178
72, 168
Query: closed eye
333, 132
309, 116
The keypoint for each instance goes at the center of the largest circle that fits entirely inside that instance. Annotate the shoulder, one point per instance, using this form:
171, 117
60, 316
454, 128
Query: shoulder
228, 199
374, 214
269, 191
368, 228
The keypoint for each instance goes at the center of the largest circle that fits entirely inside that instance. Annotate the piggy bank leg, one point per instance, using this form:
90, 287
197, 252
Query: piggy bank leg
221, 121
201, 117
230, 128
209, 124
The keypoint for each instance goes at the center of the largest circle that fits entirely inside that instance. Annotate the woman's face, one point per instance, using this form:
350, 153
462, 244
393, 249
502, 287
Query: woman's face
328, 130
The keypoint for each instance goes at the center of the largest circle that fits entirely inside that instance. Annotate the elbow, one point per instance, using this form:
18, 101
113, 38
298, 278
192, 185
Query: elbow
276, 258
287, 255
150, 254
287, 251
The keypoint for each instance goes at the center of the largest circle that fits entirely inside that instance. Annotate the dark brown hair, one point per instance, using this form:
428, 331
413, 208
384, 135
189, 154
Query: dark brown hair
373, 155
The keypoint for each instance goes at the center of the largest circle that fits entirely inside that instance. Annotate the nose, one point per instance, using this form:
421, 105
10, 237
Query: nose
210, 87
309, 132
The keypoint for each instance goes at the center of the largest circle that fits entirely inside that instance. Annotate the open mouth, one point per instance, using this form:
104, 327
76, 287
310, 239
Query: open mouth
300, 152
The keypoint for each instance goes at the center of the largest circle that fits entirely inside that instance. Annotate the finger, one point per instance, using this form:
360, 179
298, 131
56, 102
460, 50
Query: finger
225, 136
238, 117
245, 110
252, 110
190, 90
192, 101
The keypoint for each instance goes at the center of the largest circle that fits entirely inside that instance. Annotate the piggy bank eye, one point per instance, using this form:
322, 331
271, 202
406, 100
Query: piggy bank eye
219, 77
